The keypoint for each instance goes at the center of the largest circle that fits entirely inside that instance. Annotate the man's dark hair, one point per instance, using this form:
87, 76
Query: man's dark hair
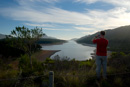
102, 33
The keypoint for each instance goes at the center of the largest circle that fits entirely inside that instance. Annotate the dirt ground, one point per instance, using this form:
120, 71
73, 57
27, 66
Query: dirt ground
43, 54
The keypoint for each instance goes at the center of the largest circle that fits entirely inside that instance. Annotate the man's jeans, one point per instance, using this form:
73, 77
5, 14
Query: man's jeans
101, 61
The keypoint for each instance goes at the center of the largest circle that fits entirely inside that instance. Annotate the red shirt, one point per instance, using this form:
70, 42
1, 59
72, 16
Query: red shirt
101, 46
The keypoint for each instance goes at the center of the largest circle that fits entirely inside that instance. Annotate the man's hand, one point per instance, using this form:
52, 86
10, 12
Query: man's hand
94, 38
97, 36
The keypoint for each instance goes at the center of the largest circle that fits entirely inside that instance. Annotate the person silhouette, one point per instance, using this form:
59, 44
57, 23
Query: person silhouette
101, 54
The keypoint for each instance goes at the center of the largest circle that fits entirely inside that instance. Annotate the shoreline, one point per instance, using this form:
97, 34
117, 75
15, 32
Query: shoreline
43, 54
58, 43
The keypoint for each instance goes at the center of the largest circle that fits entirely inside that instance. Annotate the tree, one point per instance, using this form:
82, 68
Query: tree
24, 38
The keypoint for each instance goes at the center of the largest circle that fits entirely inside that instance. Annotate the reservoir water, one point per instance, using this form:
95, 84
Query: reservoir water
72, 50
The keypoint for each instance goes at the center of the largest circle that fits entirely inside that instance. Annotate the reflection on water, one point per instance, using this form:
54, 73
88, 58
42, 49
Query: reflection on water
71, 49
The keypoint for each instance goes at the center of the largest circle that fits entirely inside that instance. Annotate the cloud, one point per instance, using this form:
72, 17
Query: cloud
84, 28
87, 1
110, 19
24, 2
119, 3
89, 33
57, 29
48, 1
52, 15
98, 19
39, 25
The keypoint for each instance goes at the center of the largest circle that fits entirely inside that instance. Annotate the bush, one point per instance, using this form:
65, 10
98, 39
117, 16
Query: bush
118, 82
7, 50
24, 64
117, 54
8, 75
36, 70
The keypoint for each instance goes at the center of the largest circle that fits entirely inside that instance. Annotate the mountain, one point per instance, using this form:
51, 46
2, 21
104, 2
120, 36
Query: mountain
48, 37
43, 40
2, 36
119, 38
74, 39
50, 40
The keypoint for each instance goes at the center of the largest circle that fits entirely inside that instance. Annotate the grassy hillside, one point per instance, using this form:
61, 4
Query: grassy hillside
67, 73
119, 38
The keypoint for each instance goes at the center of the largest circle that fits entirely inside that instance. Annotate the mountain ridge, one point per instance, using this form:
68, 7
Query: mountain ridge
2, 36
119, 38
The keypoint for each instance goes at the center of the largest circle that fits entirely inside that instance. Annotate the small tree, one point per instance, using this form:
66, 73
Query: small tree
23, 38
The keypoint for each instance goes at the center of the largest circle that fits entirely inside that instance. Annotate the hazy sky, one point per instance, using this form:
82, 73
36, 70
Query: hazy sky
64, 19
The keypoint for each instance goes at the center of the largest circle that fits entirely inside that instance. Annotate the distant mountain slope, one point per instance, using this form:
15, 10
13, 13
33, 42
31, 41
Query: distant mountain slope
50, 41
44, 40
2, 36
48, 37
119, 38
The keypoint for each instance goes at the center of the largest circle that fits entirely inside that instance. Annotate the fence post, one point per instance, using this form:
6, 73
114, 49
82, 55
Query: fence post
51, 79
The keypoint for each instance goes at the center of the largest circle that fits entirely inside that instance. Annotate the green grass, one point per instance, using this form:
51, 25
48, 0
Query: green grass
67, 73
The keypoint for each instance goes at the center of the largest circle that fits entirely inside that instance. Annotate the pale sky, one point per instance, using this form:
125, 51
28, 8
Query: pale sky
64, 19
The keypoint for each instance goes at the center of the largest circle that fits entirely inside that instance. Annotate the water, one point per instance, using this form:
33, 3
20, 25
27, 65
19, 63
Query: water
71, 49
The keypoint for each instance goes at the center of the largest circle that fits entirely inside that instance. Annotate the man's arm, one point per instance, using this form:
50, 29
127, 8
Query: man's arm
94, 38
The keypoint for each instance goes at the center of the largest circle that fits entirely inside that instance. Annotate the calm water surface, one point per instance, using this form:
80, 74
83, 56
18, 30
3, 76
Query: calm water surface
71, 49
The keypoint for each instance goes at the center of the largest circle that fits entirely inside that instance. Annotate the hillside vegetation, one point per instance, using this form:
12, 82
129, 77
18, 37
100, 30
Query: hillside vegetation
67, 73
7, 50
119, 38
50, 41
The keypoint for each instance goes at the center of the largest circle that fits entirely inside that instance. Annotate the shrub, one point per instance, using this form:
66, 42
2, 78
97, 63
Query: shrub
8, 75
117, 54
118, 82
24, 64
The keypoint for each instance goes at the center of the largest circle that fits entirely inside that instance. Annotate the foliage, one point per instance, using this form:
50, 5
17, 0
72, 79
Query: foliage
24, 65
36, 70
73, 73
119, 63
7, 51
69, 73
24, 38
118, 81
88, 63
7, 74
117, 54
48, 60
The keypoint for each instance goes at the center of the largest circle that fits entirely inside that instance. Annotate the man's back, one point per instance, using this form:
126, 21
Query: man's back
101, 46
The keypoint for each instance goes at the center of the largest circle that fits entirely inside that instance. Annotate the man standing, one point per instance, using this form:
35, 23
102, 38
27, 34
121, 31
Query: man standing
101, 54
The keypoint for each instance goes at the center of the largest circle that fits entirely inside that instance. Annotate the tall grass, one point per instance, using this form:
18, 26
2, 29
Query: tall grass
67, 72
